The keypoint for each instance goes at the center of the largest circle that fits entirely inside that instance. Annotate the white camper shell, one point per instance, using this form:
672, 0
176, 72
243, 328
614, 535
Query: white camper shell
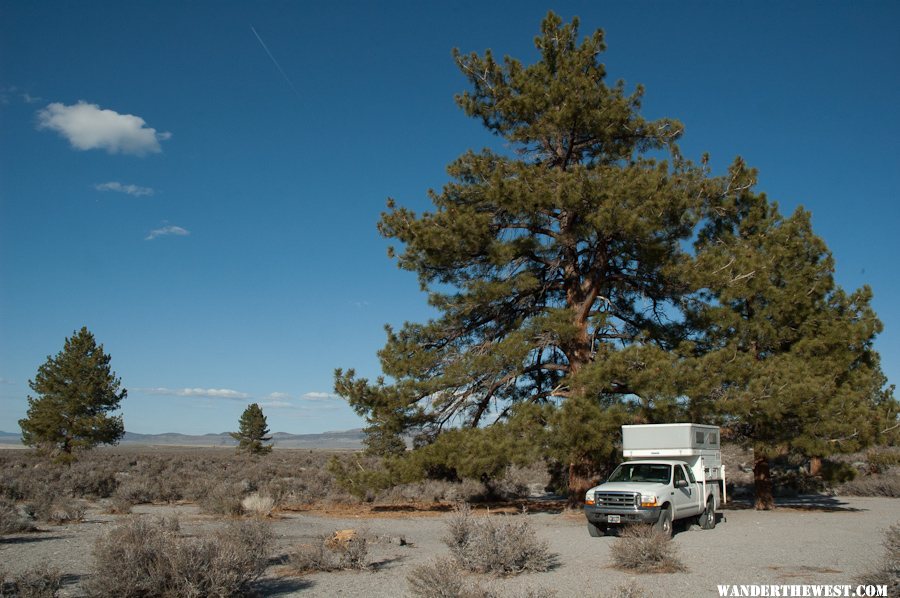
695, 444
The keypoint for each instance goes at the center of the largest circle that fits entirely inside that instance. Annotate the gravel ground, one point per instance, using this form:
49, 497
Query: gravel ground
809, 540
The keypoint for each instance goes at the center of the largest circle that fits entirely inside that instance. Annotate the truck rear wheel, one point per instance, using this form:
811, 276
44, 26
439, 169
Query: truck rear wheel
708, 517
664, 523
596, 531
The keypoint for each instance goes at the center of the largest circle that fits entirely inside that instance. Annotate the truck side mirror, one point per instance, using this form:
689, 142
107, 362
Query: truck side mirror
681, 484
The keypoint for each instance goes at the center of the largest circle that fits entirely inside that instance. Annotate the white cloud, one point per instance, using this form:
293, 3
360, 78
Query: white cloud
87, 126
208, 393
277, 400
319, 396
167, 231
275, 404
134, 190
30, 99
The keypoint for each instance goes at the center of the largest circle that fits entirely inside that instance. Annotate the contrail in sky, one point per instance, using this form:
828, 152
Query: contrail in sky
275, 62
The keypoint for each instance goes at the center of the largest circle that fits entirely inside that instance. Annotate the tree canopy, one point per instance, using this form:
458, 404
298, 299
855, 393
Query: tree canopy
75, 392
591, 276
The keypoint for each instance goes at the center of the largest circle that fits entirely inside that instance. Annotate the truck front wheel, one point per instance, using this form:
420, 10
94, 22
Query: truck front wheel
664, 523
708, 518
596, 531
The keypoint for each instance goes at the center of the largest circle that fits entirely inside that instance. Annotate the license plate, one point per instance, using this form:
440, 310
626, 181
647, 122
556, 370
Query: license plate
614, 519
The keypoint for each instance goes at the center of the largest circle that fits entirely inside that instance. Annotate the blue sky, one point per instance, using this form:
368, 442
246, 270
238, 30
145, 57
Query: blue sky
209, 212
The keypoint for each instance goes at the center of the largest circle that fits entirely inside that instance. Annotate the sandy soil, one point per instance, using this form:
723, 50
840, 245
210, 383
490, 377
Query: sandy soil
808, 540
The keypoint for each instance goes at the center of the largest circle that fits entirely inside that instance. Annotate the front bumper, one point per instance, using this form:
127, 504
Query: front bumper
600, 515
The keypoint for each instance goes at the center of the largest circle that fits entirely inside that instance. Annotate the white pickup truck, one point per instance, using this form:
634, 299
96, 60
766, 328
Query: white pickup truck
676, 473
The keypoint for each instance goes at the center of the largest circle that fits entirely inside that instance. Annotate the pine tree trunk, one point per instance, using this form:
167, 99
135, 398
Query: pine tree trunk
815, 465
762, 481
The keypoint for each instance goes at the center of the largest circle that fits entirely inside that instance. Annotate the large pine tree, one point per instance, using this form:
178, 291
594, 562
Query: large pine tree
542, 262
75, 392
787, 355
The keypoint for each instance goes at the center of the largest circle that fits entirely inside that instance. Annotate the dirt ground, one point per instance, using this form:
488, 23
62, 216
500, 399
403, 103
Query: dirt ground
808, 540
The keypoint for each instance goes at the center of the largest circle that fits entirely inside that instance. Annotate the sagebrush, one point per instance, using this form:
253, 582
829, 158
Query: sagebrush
42, 581
344, 549
152, 558
499, 544
644, 549
887, 571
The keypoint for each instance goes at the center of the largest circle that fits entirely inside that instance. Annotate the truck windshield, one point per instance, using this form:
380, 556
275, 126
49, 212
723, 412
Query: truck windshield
642, 472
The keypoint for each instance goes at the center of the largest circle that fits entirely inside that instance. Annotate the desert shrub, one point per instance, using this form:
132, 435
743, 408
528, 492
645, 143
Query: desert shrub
442, 578
38, 582
886, 484
629, 589
882, 459
223, 499
887, 572
644, 549
135, 491
496, 544
56, 509
518, 481
346, 549
144, 558
428, 491
119, 505
86, 479
437, 579
260, 506
12, 520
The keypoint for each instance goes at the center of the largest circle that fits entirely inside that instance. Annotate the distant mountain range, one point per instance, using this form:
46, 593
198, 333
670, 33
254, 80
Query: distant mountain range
348, 439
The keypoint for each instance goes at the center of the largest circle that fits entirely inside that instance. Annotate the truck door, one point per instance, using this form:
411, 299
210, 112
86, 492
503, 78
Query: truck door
684, 498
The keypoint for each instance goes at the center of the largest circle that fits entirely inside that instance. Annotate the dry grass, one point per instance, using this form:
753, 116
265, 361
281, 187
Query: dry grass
498, 544
151, 558
644, 549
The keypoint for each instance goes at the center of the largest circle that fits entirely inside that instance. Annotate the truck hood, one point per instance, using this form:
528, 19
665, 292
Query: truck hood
642, 487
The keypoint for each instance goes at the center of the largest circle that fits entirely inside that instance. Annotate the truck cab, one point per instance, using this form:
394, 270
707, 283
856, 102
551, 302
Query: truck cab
685, 481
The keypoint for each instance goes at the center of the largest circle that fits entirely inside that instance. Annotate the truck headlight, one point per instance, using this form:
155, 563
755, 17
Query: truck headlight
649, 501
589, 498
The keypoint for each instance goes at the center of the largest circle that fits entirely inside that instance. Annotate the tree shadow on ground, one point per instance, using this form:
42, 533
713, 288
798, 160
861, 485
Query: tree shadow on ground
282, 586
802, 502
28, 539
386, 563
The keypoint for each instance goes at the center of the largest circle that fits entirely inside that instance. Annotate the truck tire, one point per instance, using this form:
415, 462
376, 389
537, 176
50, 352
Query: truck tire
664, 523
596, 531
708, 517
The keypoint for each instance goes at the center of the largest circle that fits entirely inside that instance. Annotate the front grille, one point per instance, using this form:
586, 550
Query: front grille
626, 500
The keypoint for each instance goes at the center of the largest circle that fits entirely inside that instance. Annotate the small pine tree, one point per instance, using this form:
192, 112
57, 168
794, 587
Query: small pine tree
253, 431
75, 392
